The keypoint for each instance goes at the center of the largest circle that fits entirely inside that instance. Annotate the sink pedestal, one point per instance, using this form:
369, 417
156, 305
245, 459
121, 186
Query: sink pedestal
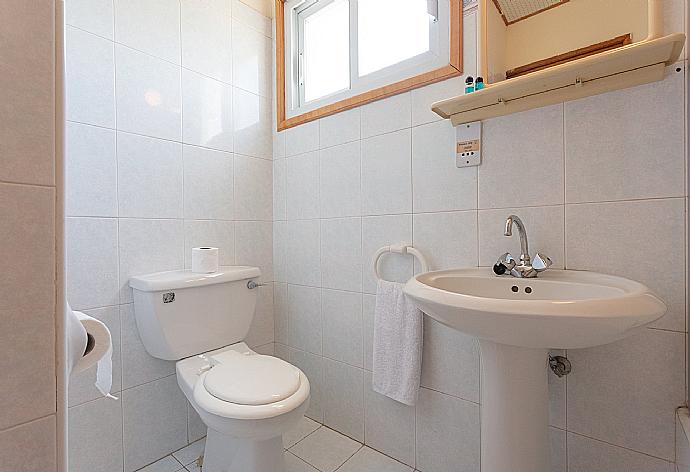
514, 408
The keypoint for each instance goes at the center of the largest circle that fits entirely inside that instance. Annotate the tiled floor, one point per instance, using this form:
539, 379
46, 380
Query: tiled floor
310, 447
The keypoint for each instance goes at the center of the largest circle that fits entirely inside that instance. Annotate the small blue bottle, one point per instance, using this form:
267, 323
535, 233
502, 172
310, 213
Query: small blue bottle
469, 84
479, 83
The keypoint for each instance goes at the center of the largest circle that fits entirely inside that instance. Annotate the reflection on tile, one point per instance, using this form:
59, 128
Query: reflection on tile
207, 119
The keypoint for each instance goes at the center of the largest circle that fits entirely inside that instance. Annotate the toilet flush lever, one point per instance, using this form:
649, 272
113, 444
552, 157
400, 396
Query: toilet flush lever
251, 285
210, 364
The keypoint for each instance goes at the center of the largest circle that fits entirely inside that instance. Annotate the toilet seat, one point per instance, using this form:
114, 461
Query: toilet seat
251, 380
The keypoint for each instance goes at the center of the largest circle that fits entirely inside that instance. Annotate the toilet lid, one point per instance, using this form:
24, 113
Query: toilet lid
252, 380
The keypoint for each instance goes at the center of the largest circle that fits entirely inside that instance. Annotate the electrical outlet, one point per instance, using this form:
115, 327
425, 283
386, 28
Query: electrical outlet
468, 151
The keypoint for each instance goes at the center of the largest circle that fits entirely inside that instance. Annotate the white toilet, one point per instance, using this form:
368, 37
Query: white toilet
246, 400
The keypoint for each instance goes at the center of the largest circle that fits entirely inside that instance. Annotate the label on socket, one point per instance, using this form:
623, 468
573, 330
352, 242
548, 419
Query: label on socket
468, 151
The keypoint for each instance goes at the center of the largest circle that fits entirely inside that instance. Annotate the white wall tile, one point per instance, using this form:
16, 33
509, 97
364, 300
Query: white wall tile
368, 308
91, 260
438, 184
138, 366
94, 16
557, 443
304, 318
557, 396
90, 171
152, 26
312, 366
251, 60
379, 231
613, 139
281, 242
447, 433
29, 289
144, 440
450, 361
609, 237
340, 128
280, 312
343, 399
586, 455
387, 173
340, 181
150, 176
341, 254
682, 443
303, 186
250, 17
148, 246
41, 435
253, 189
389, 425
196, 429
522, 161
448, 240
213, 233
342, 326
89, 78
253, 124
302, 138
149, 96
95, 432
206, 46
603, 404
207, 112
27, 76
545, 233
384, 116
254, 246
278, 144
280, 189
208, 184
82, 384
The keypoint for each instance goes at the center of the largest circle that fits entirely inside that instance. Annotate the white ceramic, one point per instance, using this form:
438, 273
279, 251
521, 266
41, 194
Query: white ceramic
517, 321
246, 400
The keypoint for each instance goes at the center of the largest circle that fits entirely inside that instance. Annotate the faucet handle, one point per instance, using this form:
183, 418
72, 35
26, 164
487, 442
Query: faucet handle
505, 263
541, 262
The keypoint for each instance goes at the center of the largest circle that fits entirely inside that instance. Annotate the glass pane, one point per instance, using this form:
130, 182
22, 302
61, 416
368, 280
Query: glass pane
391, 31
327, 50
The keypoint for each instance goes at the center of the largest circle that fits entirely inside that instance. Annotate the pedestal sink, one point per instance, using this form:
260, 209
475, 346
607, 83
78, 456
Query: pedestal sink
517, 321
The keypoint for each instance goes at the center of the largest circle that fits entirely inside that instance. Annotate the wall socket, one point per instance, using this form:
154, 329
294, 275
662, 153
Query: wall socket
468, 150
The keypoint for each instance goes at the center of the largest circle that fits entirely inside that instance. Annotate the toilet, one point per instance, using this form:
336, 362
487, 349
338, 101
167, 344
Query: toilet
247, 400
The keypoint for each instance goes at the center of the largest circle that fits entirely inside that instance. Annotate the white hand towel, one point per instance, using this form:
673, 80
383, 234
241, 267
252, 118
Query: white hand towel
398, 338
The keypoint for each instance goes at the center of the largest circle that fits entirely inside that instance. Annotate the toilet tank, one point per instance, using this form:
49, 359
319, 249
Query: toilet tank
180, 313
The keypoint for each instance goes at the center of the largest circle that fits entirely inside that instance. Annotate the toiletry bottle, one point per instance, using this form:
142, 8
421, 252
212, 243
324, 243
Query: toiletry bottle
479, 83
469, 84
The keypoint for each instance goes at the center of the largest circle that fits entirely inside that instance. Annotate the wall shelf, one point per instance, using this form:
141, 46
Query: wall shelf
628, 66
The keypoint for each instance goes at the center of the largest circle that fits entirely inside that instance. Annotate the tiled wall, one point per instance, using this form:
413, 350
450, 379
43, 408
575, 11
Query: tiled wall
168, 147
27, 237
600, 184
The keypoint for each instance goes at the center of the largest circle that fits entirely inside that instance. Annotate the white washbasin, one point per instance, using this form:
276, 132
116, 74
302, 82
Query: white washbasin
517, 320
563, 309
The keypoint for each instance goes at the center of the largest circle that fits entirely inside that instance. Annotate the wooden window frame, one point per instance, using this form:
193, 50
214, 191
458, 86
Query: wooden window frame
452, 69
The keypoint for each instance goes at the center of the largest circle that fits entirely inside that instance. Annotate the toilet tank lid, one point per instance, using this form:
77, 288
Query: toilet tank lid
179, 279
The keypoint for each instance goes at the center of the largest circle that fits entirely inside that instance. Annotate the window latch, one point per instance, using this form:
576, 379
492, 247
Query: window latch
432, 9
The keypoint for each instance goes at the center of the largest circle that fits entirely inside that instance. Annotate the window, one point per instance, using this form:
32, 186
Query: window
332, 55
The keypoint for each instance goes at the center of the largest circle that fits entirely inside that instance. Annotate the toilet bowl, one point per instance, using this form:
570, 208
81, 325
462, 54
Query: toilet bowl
246, 400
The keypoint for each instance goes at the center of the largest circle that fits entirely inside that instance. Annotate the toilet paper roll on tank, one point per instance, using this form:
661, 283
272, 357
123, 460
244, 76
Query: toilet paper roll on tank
89, 343
204, 260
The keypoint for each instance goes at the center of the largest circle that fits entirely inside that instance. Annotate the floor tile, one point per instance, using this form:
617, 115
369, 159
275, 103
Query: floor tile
299, 432
368, 460
166, 464
325, 449
295, 464
191, 453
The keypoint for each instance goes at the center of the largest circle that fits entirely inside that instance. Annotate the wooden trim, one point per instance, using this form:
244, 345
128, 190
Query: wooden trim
603, 46
453, 69
508, 23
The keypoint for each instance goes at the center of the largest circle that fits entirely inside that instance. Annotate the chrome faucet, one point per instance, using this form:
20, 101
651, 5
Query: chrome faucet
526, 268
